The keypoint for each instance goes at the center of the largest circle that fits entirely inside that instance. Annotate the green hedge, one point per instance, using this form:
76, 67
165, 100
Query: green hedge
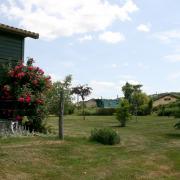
97, 112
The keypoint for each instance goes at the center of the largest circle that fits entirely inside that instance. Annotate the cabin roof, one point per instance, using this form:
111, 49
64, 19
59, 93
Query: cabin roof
18, 31
166, 94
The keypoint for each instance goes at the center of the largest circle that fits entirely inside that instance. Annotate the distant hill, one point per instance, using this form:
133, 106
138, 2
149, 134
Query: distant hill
157, 96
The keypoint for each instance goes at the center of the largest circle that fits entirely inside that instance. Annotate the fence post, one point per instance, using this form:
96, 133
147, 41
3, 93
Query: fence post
61, 115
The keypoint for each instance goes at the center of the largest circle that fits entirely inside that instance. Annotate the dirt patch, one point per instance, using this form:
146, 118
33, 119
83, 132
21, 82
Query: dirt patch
35, 143
16, 176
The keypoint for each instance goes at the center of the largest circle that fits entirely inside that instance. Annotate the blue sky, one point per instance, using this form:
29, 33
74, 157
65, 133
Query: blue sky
103, 43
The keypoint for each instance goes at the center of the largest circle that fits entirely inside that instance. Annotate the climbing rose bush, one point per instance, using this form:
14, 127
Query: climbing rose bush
22, 91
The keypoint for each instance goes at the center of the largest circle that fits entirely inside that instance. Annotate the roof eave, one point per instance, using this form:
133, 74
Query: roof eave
17, 31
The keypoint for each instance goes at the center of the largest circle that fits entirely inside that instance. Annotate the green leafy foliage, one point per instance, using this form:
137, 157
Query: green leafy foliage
128, 91
172, 109
105, 136
53, 97
140, 103
123, 112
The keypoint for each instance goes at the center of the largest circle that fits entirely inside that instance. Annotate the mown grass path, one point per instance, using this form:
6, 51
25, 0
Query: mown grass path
149, 150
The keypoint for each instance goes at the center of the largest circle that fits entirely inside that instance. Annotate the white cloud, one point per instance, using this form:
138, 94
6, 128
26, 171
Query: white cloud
70, 44
57, 18
104, 89
55, 77
149, 89
134, 82
102, 84
144, 28
126, 64
141, 65
173, 58
174, 76
111, 37
167, 36
127, 78
67, 64
177, 48
85, 38
114, 66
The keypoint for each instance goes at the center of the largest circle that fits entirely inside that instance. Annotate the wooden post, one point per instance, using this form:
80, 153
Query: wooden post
77, 101
61, 116
83, 111
136, 112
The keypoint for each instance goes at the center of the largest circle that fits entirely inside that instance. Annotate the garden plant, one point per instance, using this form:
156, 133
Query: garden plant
22, 93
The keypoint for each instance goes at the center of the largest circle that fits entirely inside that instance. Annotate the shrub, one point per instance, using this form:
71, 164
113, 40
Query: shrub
167, 111
22, 93
171, 109
123, 114
105, 136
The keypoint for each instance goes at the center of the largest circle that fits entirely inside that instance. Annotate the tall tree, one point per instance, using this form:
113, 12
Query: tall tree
83, 91
128, 91
137, 88
138, 100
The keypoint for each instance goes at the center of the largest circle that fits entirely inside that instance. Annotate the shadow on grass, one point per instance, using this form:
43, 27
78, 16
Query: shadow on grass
115, 126
173, 135
118, 126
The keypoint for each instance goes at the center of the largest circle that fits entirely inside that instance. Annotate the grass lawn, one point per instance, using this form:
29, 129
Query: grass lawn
149, 149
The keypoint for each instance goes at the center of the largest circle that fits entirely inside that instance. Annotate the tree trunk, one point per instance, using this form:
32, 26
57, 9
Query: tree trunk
136, 113
123, 123
83, 111
61, 116
78, 102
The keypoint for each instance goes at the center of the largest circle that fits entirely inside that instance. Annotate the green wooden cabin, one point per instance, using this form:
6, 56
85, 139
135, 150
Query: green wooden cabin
107, 103
12, 44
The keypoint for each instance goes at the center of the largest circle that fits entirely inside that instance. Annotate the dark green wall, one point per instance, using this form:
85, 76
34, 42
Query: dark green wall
11, 48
